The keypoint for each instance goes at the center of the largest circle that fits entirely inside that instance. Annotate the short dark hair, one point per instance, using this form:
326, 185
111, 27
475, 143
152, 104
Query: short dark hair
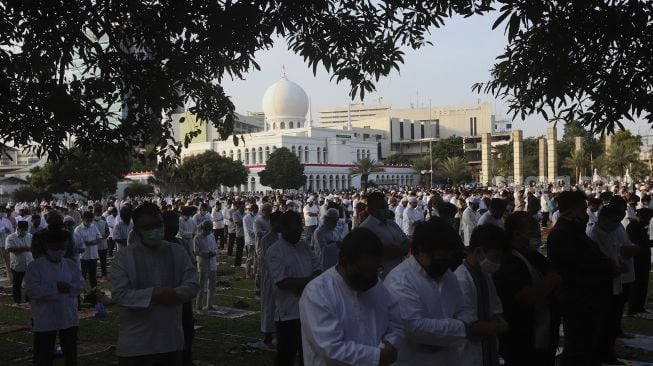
143, 209
360, 242
435, 234
489, 237
515, 221
498, 204
55, 236
595, 201
22, 224
567, 200
376, 200
612, 212
289, 219
88, 215
447, 209
275, 217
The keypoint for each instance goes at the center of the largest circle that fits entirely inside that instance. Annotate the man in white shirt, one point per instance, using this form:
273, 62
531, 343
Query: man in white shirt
250, 240
6, 228
206, 251
122, 228
494, 215
231, 227
327, 238
347, 315
268, 327
150, 280
431, 304
411, 216
53, 282
112, 220
593, 208
261, 229
311, 213
218, 224
487, 247
88, 236
380, 222
469, 219
202, 215
187, 230
399, 211
19, 247
239, 231
292, 266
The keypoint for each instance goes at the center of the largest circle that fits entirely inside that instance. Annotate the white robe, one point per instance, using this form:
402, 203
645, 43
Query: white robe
147, 328
343, 327
433, 313
468, 222
472, 352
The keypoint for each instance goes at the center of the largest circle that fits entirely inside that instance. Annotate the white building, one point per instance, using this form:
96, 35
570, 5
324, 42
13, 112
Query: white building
327, 153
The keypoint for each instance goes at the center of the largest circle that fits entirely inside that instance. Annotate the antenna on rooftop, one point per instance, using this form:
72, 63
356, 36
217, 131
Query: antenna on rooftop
283, 71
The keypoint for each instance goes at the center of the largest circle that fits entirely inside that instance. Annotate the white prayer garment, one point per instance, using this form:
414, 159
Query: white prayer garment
399, 215
390, 235
203, 245
51, 309
434, 315
467, 224
19, 261
286, 260
472, 352
248, 228
326, 245
218, 218
147, 328
83, 234
411, 218
488, 219
341, 326
267, 285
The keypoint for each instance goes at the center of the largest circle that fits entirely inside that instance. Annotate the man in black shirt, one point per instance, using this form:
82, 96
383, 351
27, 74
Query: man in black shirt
526, 286
586, 281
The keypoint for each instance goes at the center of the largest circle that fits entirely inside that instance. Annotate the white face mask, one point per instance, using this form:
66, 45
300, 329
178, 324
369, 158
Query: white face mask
489, 267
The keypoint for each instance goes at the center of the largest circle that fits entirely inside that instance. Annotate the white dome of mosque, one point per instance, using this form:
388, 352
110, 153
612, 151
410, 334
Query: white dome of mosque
285, 99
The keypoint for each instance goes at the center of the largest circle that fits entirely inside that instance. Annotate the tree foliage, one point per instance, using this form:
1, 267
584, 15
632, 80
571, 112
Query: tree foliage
90, 174
397, 159
454, 169
168, 179
283, 170
588, 61
105, 72
205, 172
25, 194
503, 158
623, 155
448, 147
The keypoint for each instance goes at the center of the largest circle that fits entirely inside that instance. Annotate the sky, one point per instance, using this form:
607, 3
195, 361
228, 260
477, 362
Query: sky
462, 54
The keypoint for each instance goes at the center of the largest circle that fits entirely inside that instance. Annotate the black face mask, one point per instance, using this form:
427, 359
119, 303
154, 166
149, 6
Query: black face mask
437, 268
360, 282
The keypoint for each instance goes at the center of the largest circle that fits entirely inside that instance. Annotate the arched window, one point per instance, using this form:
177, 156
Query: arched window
331, 182
238, 155
282, 125
337, 182
299, 125
246, 156
274, 126
260, 155
324, 183
368, 154
253, 155
224, 153
231, 154
358, 154
325, 156
293, 149
319, 155
252, 184
305, 154
267, 153
345, 182
317, 183
290, 125
299, 154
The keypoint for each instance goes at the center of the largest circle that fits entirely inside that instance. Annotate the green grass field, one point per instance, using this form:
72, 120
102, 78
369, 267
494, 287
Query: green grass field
213, 340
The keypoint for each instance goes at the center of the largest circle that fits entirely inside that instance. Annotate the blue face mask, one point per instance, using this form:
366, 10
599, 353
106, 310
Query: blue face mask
152, 238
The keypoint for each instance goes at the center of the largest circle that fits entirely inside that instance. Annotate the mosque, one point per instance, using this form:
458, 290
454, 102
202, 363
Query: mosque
327, 153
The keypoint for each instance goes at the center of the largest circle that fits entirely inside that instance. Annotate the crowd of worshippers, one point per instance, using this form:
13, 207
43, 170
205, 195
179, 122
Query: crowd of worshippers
421, 277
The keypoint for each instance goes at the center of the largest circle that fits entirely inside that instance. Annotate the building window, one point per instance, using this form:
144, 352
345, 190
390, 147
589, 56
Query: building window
290, 125
319, 156
358, 154
437, 128
282, 125
325, 156
475, 129
293, 150
231, 154
246, 156
267, 153
421, 132
238, 156
306, 154
253, 155
508, 126
366, 136
260, 154
471, 126
412, 131
401, 130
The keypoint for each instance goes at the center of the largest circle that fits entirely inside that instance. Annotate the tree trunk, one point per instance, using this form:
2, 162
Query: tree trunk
364, 182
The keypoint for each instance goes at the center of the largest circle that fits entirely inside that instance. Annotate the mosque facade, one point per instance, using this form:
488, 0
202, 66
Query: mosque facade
327, 153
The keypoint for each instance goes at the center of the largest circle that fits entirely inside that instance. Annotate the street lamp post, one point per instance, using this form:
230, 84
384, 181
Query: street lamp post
431, 158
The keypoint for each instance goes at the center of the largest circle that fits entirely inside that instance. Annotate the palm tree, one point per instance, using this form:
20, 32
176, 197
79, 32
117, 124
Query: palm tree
577, 162
454, 168
619, 158
364, 167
